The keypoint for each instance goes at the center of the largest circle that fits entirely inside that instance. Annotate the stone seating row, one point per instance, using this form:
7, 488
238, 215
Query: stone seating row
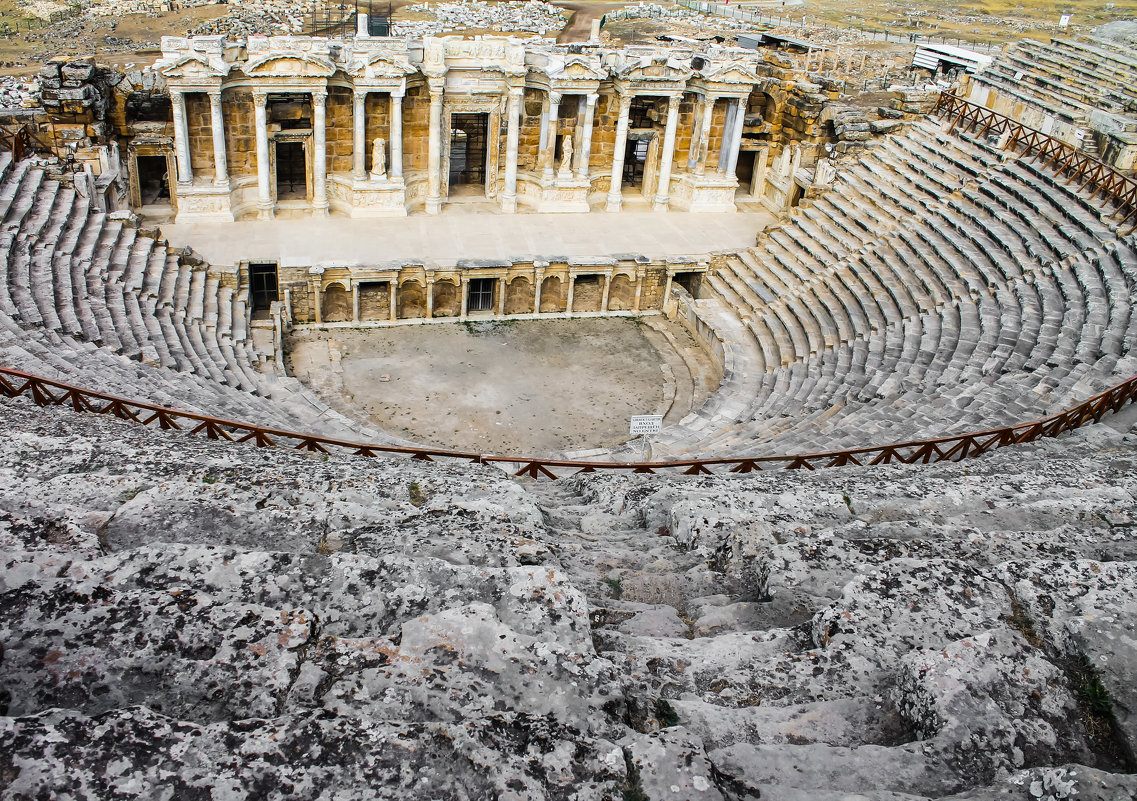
87, 297
1007, 299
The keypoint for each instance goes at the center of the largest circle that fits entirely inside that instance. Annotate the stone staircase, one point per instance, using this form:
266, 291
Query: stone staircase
1002, 296
187, 617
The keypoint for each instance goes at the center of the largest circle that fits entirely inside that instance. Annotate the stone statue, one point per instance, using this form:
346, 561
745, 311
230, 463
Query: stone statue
566, 157
379, 159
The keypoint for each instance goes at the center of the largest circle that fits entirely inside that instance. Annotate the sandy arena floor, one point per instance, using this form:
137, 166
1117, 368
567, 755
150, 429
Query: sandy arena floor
524, 386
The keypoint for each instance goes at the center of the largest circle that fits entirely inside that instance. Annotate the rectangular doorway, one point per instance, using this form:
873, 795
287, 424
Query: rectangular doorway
468, 149
744, 170
153, 180
262, 286
635, 159
291, 174
481, 295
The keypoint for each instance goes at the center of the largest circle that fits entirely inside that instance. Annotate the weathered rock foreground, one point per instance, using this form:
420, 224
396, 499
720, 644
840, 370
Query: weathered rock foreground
184, 619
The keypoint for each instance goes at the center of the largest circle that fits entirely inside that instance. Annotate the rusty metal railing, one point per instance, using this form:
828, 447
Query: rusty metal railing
48, 392
1063, 157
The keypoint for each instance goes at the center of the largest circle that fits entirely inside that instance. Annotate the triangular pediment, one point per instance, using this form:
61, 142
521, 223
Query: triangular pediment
578, 69
729, 73
192, 66
655, 70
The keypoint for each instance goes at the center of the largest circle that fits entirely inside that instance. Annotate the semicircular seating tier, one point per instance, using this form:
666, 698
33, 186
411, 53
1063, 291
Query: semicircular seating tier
941, 286
89, 298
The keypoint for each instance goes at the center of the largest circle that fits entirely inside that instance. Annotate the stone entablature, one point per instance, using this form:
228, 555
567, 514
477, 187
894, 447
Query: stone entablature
387, 294
544, 123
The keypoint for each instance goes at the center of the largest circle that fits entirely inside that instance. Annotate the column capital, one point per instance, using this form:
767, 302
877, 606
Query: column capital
214, 95
178, 93
517, 91
555, 97
591, 98
398, 94
625, 102
359, 95
319, 96
673, 102
260, 97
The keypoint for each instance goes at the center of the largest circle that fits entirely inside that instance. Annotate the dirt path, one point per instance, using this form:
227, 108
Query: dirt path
580, 23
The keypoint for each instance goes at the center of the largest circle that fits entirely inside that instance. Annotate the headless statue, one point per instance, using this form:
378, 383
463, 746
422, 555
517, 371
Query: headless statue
379, 159
566, 157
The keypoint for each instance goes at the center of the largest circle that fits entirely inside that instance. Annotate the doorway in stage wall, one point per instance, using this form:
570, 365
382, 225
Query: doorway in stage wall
481, 295
153, 181
468, 154
744, 169
635, 159
263, 287
291, 174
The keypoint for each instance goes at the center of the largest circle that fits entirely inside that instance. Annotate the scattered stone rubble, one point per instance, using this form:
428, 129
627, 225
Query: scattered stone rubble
528, 16
19, 92
233, 619
678, 16
250, 17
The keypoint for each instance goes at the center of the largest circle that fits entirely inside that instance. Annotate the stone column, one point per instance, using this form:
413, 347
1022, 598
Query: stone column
615, 199
359, 136
434, 152
501, 284
463, 288
551, 138
395, 135
181, 137
513, 133
217, 123
264, 187
571, 288
724, 144
538, 279
761, 164
736, 136
639, 290
604, 297
355, 301
586, 140
393, 300
319, 154
662, 198
430, 298
704, 146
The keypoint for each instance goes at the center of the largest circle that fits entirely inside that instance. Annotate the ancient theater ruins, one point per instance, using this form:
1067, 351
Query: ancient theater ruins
479, 400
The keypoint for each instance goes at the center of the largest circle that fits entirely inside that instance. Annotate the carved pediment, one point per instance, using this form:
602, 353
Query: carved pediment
729, 72
382, 66
577, 69
289, 65
192, 67
655, 70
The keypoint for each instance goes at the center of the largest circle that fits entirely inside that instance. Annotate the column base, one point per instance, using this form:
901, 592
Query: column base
661, 204
319, 211
509, 204
266, 213
433, 205
615, 203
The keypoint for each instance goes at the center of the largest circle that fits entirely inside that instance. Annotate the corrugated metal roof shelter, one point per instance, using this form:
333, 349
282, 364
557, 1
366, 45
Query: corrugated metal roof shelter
756, 40
938, 57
